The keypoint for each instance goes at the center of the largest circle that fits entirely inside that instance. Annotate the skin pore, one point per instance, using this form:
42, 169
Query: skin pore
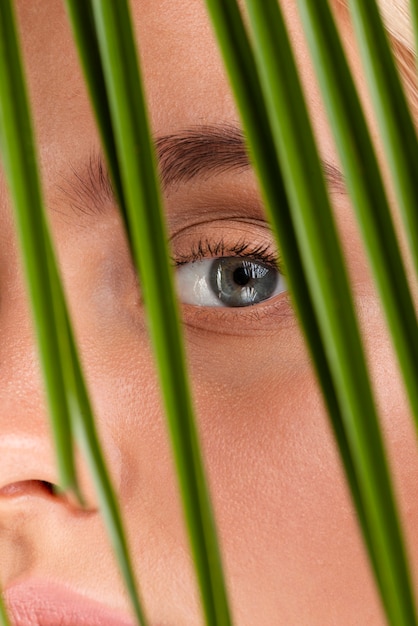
291, 547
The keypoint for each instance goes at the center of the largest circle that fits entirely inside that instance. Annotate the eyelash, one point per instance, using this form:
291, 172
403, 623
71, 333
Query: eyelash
205, 248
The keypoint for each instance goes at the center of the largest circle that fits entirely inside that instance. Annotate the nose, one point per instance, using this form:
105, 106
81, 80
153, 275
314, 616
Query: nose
42, 530
27, 455
29, 480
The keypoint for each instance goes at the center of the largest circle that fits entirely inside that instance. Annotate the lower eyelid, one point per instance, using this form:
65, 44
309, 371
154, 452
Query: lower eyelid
266, 318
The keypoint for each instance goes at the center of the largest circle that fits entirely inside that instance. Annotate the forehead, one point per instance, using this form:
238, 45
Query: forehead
180, 61
185, 81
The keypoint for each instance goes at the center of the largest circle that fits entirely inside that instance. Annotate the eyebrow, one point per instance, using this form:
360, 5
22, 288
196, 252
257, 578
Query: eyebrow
198, 153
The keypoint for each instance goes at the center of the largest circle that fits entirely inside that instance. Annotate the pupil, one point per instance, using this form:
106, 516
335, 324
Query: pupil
241, 276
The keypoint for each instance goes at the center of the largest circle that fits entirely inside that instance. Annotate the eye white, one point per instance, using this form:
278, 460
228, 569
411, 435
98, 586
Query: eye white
195, 285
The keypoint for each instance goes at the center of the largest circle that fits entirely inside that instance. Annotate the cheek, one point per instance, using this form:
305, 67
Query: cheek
399, 429
279, 492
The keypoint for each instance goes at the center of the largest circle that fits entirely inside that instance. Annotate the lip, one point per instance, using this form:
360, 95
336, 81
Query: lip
49, 604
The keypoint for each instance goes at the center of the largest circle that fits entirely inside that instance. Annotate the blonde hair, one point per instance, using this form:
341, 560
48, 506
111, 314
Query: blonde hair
398, 21
397, 18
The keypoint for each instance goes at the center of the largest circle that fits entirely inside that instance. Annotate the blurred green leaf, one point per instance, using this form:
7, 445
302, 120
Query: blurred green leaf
395, 121
18, 155
365, 185
146, 229
4, 620
312, 218
65, 388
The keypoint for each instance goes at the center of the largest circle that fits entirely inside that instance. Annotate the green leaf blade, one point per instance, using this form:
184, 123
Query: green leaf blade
148, 241
20, 165
396, 124
61, 368
365, 446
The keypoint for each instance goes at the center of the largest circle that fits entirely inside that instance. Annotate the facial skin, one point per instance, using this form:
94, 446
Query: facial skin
292, 551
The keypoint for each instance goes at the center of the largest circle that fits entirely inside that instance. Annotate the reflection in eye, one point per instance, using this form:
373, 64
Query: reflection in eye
228, 281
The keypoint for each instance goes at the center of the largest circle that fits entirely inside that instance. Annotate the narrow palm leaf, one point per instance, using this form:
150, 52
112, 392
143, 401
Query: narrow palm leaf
20, 166
69, 402
369, 199
4, 620
312, 217
397, 128
314, 221
85, 429
148, 239
244, 79
413, 5
323, 261
81, 16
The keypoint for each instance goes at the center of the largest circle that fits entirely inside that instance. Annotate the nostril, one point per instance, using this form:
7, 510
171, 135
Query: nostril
29, 488
45, 490
49, 487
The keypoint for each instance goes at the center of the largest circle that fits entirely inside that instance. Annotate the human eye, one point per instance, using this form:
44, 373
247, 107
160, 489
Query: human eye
219, 274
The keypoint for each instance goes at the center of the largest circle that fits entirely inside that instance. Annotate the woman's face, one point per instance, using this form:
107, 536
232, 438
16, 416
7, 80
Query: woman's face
292, 550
